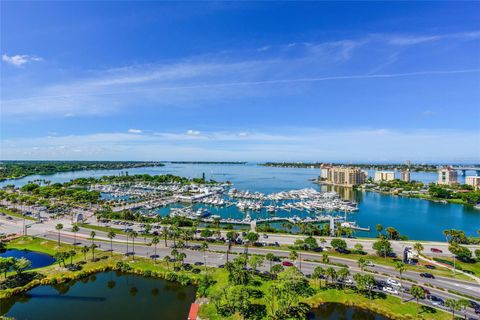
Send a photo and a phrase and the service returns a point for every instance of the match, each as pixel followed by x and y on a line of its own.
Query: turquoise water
pixel 418 219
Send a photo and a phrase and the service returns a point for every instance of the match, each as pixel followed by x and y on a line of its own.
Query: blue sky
pixel 310 81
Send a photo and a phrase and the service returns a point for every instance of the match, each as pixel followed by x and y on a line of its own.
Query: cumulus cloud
pixel 193 133
pixel 136 131
pixel 19 59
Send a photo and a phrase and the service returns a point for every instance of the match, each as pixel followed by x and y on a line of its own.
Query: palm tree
pixel 379 228
pixel 85 249
pixel 331 273
pixel 204 248
pixel 418 293
pixel 418 247
pixel 318 274
pixel 167 260
pixel 252 237
pixel 133 235
pixel 59 227
pixel 92 235
pixel 362 263
pixel 75 229
pixel 93 246
pixel 155 241
pixel 401 268
pixel 325 259
pixel 231 236
pixel 111 234
pixel 293 255
pixel 343 273
pixel 72 253
pixel 164 234
pixel 453 305
pixel 464 304
pixel 270 258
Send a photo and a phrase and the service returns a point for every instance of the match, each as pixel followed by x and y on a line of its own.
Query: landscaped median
pixel 249 292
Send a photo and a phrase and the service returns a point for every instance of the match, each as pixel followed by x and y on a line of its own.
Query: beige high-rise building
pixel 384 176
pixel 447 176
pixel 405 175
pixel 473 181
pixel 346 176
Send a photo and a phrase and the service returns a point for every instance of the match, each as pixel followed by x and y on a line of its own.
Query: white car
pixel 389 290
pixel 369 263
pixel 349 282
pixel 393 282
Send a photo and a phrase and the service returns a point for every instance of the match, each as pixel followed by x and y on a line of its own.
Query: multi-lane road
pixel 216 256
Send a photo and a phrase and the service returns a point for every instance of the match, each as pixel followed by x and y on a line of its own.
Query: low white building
pixel 384 176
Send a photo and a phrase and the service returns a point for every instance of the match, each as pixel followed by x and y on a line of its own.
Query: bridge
pixel 464 169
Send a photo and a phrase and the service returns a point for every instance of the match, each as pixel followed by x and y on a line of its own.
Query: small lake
pixel 338 311
pixel 38 259
pixel 107 295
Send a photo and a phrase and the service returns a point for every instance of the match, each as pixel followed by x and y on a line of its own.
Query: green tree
pixel 401 268
pixel 418 293
pixel 358 248
pixel 59 227
pixel 270 257
pixel 362 263
pixel 71 254
pixel 311 243
pixel 255 262
pixel 318 274
pixel 331 273
pixel 453 305
pixel 6 263
pixel 204 249
pixel 133 235
pixel 383 248
pixel 418 247
pixel 92 235
pixel 339 244
pixel 462 253
pixel 325 259
pixel 85 250
pixel 343 274
pixel 75 229
pixel 379 228
pixel 251 238
pixel 155 242
pixel 92 247
pixel 293 255
pixel 21 265
pixel 111 234
pixel 167 261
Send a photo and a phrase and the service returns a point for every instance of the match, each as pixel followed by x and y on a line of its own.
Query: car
pixel 427 275
pixel 435 250
pixel 349 282
pixel 389 290
pixel 287 264
pixel 265 236
pixel 198 263
pixel 393 282
pixel 429 266
pixel 369 263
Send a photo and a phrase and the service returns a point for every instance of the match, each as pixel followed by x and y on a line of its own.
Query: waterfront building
pixel 473 181
pixel 324 171
pixel 405 175
pixel 346 176
pixel 384 176
pixel 447 176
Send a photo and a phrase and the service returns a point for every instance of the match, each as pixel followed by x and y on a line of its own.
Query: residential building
pixel 346 176
pixel 384 176
pixel 324 171
pixel 447 176
pixel 473 181
pixel 405 175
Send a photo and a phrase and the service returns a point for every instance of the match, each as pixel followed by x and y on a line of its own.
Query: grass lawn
pixel 15 214
pixel 473 267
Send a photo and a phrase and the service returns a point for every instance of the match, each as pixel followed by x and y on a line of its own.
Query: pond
pixel 38 259
pixel 107 295
pixel 338 311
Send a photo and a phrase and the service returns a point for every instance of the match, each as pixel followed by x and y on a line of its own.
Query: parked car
pixel 389 290
pixel 427 275
pixel 435 250
pixel 429 266
pixel 369 263
pixel 287 264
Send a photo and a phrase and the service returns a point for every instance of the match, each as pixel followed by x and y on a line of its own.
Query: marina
pixel 408 215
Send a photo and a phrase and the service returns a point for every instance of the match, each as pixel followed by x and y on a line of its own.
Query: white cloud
pixel 19 59
pixel 136 131
pixel 264 48
pixel 294 144
pixel 193 133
